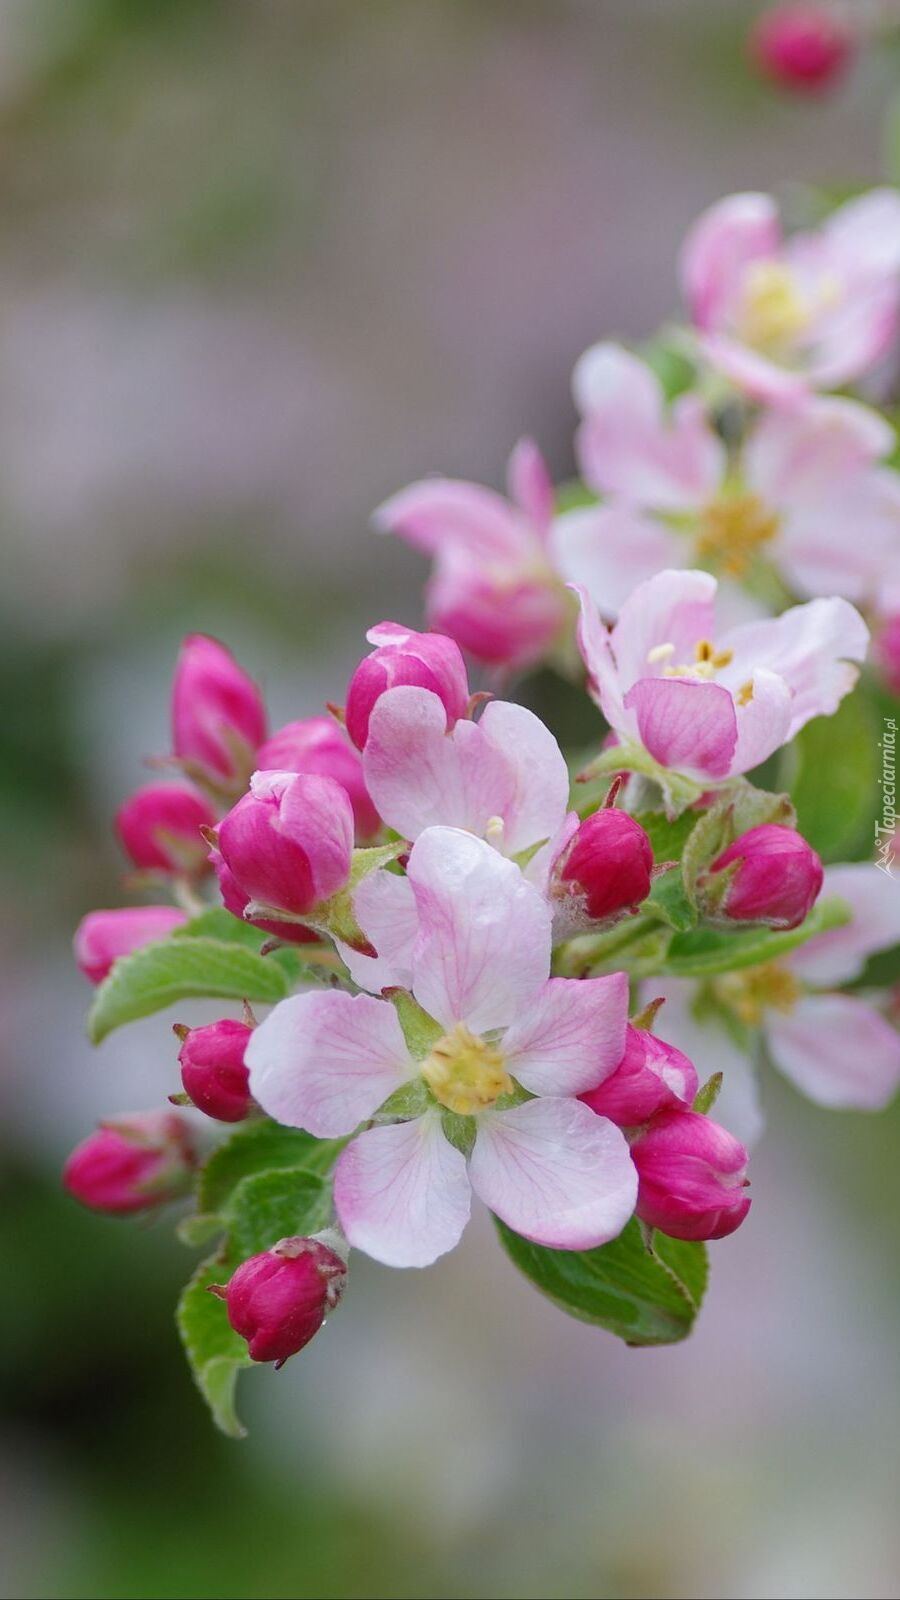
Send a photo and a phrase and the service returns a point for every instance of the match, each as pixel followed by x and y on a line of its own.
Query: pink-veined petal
pixel 838 1051
pixel 483 946
pixel 763 721
pixel 572 1038
pixel 608 550
pixel 438 515
pixel 555 1172
pixel 815 648
pixel 596 652
pixel 537 768
pixel 672 608
pixel 385 909
pixel 686 724
pixel 722 243
pixel 873 897
pixel 402 1194
pixel 326 1061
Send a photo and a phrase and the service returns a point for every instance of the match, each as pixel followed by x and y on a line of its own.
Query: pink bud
pixel 236 901
pixel 131 1163
pixel 805 47
pixel 652 1076
pixel 318 745
pixel 213 1072
pixel 777 881
pixel 504 620
pixel 692 1174
pixel 607 864
pixel 279 1300
pixel 887 652
pixel 103 936
pixel 427 660
pixel 160 828
pixel 289 842
pixel 218 715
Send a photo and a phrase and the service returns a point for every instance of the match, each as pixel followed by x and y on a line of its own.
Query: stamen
pixel 660 652
pixel 745 693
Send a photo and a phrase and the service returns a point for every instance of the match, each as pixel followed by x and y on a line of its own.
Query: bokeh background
pixel 261 263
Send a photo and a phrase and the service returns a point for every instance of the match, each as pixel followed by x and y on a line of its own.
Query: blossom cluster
pixel 462 947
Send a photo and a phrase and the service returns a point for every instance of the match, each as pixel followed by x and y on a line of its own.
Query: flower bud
pixel 887 653
pixel 777 881
pixel 160 829
pixel 652 1076
pixel 279 1300
pixel 103 936
pixel 506 621
pixel 289 842
pixel 318 745
pixel 212 1069
pixel 428 660
pixel 804 47
pixel 131 1163
pixel 236 901
pixel 218 715
pixel 692 1176
pixel 607 865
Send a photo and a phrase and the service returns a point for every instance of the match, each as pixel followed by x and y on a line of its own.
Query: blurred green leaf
pixel 644 1298
pixel 705 951
pixel 668 898
pixel 160 974
pixel 216 1354
pixel 832 772
pixel 256 1147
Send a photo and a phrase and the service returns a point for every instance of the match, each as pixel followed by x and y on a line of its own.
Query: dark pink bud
pixel 213 1071
pixel 318 745
pixel 693 1175
pixel 160 829
pixel 887 652
pixel 652 1076
pixel 103 936
pixel 236 901
pixel 289 842
pixel 279 1300
pixel 806 47
pixel 131 1163
pixel 607 864
pixel 777 882
pixel 427 660
pixel 218 715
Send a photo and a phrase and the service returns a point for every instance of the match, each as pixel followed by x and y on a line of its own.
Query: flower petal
pixel 686 725
pixel 763 721
pixel 439 515
pixel 840 955
pixel 802 455
pixel 815 648
pixel 672 608
pixel 712 1049
pixel 573 1037
pixel 555 1172
pixel 838 1051
pixel 385 909
pixel 719 247
pixel 530 484
pixel 608 550
pixel 536 766
pixel 483 945
pixel 325 1062
pixel 402 1194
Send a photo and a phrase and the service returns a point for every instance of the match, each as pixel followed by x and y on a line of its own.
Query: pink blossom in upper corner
pixel 484 1021
pixel 218 715
pixel 674 497
pixel 289 842
pixel 278 1301
pixel 603 870
pixel 103 936
pixel 131 1163
pixel 213 1071
pixel 159 826
pixel 317 744
pixel 804 47
pixel 775 879
pixel 692 1175
pixel 652 1076
pixel 706 705
pixel 427 660
pixel 780 317
pixel 493 587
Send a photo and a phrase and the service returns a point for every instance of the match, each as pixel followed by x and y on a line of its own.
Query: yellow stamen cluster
pixel 774 311
pixel 707 660
pixel 465 1073
pixel 748 994
pixel 731 530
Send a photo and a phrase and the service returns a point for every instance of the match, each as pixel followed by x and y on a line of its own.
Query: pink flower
pixel 803 47
pixel 652 1076
pixel 887 651
pixel 159 826
pixel 237 902
pixel 213 1072
pixel 289 842
pixel 493 588
pixel 705 706
pixel 218 715
pixel 776 882
pixel 483 1023
pixel 692 1176
pixel 605 868
pixel 131 1163
pixel 781 317
pixel 103 936
pixel 428 660
pixel 674 497
pixel 317 745
pixel 278 1301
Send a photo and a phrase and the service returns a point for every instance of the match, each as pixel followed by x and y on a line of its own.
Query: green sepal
pixel 420 1030
pixel 708 1094
pixel 705 952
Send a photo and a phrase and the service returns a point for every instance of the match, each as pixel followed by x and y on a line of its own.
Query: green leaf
pixel 668 899
pixel 667 838
pixel 216 1354
pixel 643 1298
pixel 832 771
pixel 267 1206
pixel 219 924
pixel 160 974
pixel 705 951
pixel 260 1146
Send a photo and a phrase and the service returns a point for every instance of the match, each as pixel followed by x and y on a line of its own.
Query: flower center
pixel 748 994
pixel 730 531
pixel 773 310
pixel 706 663
pixel 465 1073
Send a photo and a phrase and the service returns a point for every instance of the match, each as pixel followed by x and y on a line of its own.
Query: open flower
pixel 493 588
pixel 673 496
pixel 780 317
pixel 490 1053
pixel 705 707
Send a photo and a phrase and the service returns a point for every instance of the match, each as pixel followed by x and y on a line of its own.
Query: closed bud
pixel 131 1163
pixel 218 715
pixel 692 1176
pixel 289 842
pixel 103 936
pixel 318 745
pixel 652 1076
pixel 278 1301
pixel 769 875
pixel 427 660
pixel 236 901
pixel 159 827
pixel 213 1072
pixel 606 867
pixel 804 47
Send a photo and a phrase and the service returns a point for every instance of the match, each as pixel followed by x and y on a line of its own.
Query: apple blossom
pixel 159 826
pixel 213 1072
pixel 132 1162
pixel 692 1175
pixel 805 46
pixel 103 936
pixel 428 660
pixel 317 744
pixel 775 878
pixel 218 715
pixel 651 1076
pixel 278 1301
pixel 604 869
pixel 289 842
pixel 239 904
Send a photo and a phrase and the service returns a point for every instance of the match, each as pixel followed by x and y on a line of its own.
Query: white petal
pixel 385 909
pixel 402 1194
pixel 608 550
pixel 574 1036
pixel 874 900
pixel 838 1051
